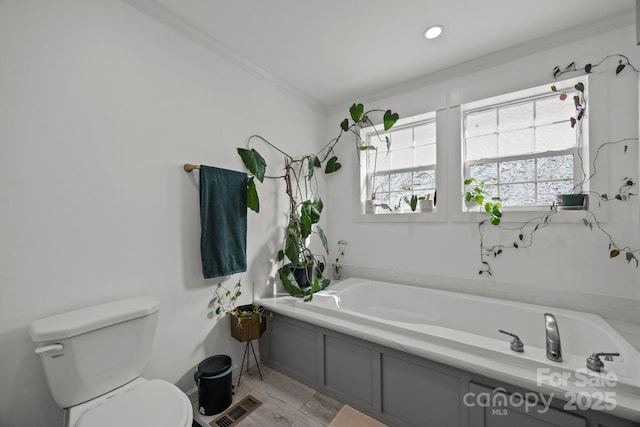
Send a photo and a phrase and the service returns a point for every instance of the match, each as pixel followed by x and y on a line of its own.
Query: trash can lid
pixel 213 366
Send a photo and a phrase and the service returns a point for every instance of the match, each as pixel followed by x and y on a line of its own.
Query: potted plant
pixel 477 195
pixel 337 268
pixel 301 271
pixel 248 322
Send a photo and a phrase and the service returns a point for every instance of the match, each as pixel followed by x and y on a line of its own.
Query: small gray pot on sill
pixel 573 201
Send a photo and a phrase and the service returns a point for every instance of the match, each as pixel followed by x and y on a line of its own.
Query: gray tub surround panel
pixel 401 389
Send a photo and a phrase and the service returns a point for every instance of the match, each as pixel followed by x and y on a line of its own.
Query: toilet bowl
pixel 93 358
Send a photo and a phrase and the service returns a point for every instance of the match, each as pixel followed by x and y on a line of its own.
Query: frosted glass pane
pixel 381 198
pixel 424 180
pixel 515 117
pixel 555 137
pixel 486 172
pixel 518 171
pixel 381 183
pixel 401 159
pixel 516 142
pixel 557 167
pixel 518 194
pixel 400 182
pixel 384 161
pixel 547 191
pixel 481 123
pixel 553 110
pixel 401 139
pixel 425 155
pixel 482 147
pixel 397 198
pixel 425 134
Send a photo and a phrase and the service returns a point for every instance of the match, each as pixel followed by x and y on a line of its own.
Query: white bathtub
pixel 462 331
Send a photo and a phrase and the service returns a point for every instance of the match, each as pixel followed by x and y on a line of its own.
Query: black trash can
pixel 213 378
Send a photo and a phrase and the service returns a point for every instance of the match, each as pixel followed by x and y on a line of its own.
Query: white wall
pixel 99 108
pixel 566 260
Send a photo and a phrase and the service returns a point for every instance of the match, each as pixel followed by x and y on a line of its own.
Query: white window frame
pixel 595 128
pixel 439 212
pixel 520 98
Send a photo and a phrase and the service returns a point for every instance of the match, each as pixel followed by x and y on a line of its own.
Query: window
pixel 404 166
pixel 524 145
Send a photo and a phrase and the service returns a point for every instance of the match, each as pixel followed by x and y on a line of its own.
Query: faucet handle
pixel 595 364
pixel 516 344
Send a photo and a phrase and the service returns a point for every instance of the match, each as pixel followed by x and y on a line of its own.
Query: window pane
pixel 515 142
pixel 481 123
pixel 383 197
pixel 401 159
pixel 557 167
pixel 425 134
pixel 555 137
pixel 424 179
pixel 401 139
pixel 518 171
pixel 547 191
pixel 487 172
pixel 551 110
pixel 383 161
pixel 482 147
pixel 515 117
pixel 518 194
pixel 425 155
pixel 381 183
pixel 400 182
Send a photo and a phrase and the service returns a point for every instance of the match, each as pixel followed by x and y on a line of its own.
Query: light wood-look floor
pixel 285 402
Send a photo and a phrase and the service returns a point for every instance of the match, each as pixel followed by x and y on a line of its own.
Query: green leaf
pixel 390 119
pixel 479 199
pixel 280 256
pixel 253 202
pixel 385 206
pixel 618 196
pixel 604 197
pixel 344 125
pixel 414 202
pixel 289 282
pixel 305 226
pixel 332 165
pixel 469 181
pixel 316 162
pixel 495 220
pixel 367 147
pixel 291 249
pixel 357 111
pixel 254 162
pixel 312 209
pixel 614 253
pixel 323 239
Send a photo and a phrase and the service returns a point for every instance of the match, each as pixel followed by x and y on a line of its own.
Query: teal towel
pixel 223 221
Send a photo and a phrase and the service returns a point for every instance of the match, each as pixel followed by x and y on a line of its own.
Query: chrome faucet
pixel 554 350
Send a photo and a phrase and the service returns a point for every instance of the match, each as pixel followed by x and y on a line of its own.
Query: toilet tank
pixel 93 350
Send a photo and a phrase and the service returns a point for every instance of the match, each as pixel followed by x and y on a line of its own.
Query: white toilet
pixel 93 358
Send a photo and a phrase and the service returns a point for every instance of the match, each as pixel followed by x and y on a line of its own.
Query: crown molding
pixel 169 19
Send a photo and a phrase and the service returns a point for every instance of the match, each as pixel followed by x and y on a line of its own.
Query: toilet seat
pixel 154 403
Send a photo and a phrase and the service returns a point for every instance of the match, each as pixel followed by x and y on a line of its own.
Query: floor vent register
pixel 236 413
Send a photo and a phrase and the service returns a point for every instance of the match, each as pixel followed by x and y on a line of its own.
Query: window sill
pixel 404 217
pixel 534 215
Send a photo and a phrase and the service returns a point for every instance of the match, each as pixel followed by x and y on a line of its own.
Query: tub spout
pixel 554 350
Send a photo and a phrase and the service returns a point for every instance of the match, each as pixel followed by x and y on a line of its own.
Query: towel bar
pixel 188 167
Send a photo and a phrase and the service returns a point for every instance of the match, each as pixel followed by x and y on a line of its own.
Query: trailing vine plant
pixel 524 233
pixel 305 204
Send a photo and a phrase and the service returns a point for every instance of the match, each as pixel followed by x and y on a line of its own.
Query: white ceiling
pixel 334 51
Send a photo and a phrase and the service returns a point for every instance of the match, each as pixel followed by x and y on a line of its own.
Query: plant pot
pixel 303 275
pixel 369 207
pixel 573 201
pixel 247 328
pixel 337 272
pixel 425 205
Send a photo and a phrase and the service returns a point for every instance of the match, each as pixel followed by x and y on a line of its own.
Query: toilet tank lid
pixel 76 322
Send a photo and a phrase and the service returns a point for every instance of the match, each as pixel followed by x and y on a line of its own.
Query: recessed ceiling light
pixel 433 31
